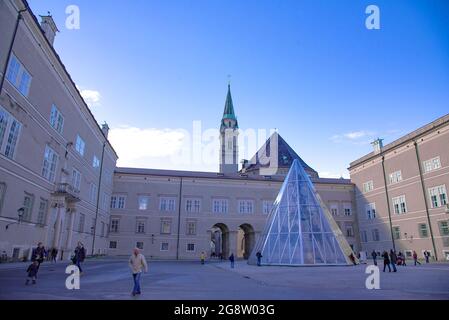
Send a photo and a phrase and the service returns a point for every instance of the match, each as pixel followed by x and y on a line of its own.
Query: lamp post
pixel 20 213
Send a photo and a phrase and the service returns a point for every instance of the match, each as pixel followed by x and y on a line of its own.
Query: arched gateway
pixel 245 240
pixel 220 240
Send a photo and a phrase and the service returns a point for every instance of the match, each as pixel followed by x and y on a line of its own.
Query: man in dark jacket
pixel 231 258
pixel 386 261
pixel 38 254
pixel 259 258
pixel 393 259
pixel 374 255
pixel 80 255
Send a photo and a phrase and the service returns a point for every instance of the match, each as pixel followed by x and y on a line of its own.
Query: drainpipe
pixel 98 199
pixel 388 201
pixel 415 143
pixel 8 57
pixel 179 218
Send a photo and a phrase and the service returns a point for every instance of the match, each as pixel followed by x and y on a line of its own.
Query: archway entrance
pixel 245 241
pixel 220 241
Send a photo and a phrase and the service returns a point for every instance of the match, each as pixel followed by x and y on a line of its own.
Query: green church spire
pixel 229 107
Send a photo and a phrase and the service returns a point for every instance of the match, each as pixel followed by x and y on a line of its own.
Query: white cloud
pixel 354 137
pixel 328 174
pixel 91 97
pixel 147 147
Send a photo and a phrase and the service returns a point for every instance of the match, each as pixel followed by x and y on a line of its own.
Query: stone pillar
pixel 58 230
pixel 232 241
pixel 72 214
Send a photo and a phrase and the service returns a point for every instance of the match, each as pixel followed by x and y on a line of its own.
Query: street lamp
pixel 20 213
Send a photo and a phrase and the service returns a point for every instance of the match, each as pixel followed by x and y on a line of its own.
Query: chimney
pixel 49 27
pixel 105 129
pixel 377 145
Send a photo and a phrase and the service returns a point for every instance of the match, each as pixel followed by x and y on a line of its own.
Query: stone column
pixel 58 230
pixel 72 214
pixel 233 243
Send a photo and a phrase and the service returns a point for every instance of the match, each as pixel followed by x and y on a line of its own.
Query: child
pixel 203 257
pixel 32 271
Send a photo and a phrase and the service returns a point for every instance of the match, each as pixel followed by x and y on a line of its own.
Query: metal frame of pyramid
pixel 300 229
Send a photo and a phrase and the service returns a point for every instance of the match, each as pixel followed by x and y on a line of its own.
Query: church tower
pixel 229 132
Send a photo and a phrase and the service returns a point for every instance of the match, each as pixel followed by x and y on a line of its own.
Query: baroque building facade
pixel 59 183
pixel 56 164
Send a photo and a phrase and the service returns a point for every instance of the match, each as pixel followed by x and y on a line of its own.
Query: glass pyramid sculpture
pixel 300 230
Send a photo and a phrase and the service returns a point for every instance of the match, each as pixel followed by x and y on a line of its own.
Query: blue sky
pixel 308 68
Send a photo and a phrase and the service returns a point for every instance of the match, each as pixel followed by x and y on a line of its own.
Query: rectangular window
pixel 246 206
pixel 2 195
pixel 164 246
pixel 93 227
pixel 348 211
pixel 370 211
pixel 140 226
pixel 80 145
pixel 267 205
pixel 9 133
pixel 334 209
pixel 117 202
pixel 56 119
pixel 115 223
pixel 396 233
pixel 93 193
pixel 432 164
pixel 220 205
pixel 193 205
pixel 167 204
pixel 50 164
pixel 18 76
pixel 112 244
pixel 368 186
pixel 399 205
pixel 191 228
pixel 395 177
pixel 144 201
pixel 165 226
pixel 376 236
pixel 349 230
pixel 42 213
pixel 28 202
pixel 422 228
pixel 139 245
pixel 95 162
pixel 81 223
pixel 76 179
pixel 444 228
pixel 190 247
pixel 438 196
pixel 102 228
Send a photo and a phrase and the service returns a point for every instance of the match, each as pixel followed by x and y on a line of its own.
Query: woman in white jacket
pixel 137 263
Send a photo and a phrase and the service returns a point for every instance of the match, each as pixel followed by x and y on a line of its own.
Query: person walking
pixel 202 257
pixel 79 256
pixel 402 257
pixel 259 258
pixel 231 258
pixel 38 254
pixel 32 272
pixel 386 261
pixel 374 255
pixel 393 259
pixel 137 264
pixel 415 258
pixel 427 256
pixel 54 254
